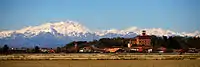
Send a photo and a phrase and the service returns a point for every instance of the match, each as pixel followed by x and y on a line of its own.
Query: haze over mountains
pixel 61 33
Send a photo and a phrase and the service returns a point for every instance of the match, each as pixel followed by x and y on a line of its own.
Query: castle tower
pixel 143 33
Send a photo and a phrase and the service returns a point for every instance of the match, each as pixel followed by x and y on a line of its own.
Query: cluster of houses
pixel 29 50
pixel 141 43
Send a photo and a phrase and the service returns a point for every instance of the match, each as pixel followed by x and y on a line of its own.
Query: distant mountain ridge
pixel 60 33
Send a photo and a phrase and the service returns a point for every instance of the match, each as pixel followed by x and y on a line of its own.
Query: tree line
pixel 171 42
pixel 7 50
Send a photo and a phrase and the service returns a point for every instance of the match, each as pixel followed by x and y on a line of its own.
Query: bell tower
pixel 143 33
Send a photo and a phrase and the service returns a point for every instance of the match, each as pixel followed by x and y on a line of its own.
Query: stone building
pixel 141 43
pixel 141 40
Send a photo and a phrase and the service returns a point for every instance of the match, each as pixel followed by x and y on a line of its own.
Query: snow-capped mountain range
pixel 60 33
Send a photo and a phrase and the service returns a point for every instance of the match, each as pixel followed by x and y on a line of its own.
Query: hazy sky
pixel 176 15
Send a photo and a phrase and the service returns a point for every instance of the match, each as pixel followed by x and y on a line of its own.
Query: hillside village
pixel 140 44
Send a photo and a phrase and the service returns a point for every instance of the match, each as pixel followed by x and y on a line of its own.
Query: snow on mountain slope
pixel 49 33
pixel 115 33
pixel 68 27
pixel 60 33
pixel 161 32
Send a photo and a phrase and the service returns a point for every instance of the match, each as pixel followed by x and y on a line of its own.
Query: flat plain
pixel 100 63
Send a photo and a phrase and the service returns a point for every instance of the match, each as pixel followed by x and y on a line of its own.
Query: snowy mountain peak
pixel 64 28
pixel 68 27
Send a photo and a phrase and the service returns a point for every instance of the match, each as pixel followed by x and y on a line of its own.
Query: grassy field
pixel 101 63
pixel 99 56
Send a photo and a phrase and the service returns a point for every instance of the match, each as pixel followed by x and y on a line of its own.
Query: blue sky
pixel 176 15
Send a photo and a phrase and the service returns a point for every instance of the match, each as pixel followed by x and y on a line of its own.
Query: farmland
pixel 100 60
pixel 101 56
pixel 101 63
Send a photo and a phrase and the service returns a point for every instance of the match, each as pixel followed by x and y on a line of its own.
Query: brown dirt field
pixel 101 63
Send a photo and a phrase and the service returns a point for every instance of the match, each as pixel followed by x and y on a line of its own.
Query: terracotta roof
pixel 144 37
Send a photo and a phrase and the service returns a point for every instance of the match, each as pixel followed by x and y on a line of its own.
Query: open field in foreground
pixel 100 56
pixel 101 63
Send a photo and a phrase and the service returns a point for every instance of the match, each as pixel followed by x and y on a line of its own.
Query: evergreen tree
pixel 58 49
pixel 37 49
pixel 5 48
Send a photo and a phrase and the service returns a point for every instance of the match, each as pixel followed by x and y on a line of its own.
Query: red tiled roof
pixel 144 37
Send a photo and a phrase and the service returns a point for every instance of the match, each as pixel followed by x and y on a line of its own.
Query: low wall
pixel 99 56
